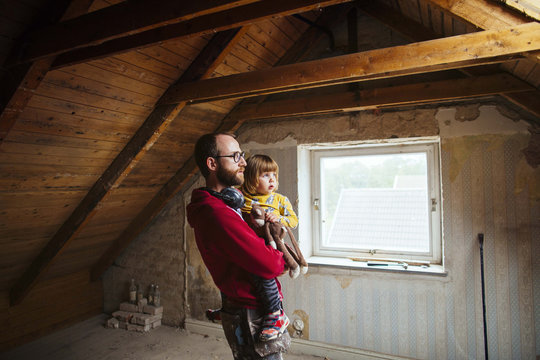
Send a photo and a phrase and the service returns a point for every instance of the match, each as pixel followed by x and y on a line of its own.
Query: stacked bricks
pixel 136 317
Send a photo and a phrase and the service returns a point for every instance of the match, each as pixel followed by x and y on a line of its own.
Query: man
pixel 230 249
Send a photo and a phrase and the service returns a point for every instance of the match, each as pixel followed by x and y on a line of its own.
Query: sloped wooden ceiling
pixel 98 136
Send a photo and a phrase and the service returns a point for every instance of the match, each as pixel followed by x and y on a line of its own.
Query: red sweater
pixel 230 248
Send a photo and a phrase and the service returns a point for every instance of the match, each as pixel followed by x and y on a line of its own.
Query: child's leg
pixel 268 294
pixel 275 321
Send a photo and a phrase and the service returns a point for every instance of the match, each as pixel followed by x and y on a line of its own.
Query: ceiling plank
pixel 20 82
pixel 346 101
pixel 125 18
pixel 156 123
pixel 428 56
pixel 417 32
pixel 138 224
pixel 208 24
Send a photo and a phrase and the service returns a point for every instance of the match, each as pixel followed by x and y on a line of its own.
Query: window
pixel 376 200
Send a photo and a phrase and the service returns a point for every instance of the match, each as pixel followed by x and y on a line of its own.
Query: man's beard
pixel 229 178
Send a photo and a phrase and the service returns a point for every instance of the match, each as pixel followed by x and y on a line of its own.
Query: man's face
pixel 228 172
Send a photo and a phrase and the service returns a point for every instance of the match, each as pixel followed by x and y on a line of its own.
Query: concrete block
pixel 122 325
pixel 126 306
pixel 123 315
pixel 153 310
pixel 112 323
pixel 141 304
pixel 139 328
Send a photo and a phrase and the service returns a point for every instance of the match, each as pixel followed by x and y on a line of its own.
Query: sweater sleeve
pixel 238 241
pixel 287 214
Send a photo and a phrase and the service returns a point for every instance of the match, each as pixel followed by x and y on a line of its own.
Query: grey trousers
pixel 241 327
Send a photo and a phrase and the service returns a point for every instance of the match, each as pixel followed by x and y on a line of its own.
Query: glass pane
pixel 375 202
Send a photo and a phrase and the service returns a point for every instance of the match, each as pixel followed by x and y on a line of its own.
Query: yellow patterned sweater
pixel 276 203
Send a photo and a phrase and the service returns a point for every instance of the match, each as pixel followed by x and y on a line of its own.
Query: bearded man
pixel 230 249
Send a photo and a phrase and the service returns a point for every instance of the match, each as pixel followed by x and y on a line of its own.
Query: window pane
pixel 375 202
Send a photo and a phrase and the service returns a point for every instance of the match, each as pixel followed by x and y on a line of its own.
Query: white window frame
pixel 309 192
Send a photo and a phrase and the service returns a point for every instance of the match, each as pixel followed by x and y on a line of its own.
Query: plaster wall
pixel 487 186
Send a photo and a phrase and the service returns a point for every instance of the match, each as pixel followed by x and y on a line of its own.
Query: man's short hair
pixel 206 147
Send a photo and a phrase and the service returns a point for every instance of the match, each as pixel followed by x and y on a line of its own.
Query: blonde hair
pixel 256 165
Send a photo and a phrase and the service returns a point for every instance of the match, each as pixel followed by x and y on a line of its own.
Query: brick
pixel 123 315
pixel 125 306
pixel 145 319
pixel 141 304
pixel 153 310
pixel 156 324
pixel 112 323
pixel 139 328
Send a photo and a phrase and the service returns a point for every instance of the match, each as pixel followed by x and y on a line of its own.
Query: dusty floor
pixel 89 340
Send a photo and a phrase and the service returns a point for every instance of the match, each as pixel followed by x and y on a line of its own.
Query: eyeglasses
pixel 236 156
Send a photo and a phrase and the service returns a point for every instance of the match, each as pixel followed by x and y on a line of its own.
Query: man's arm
pixel 240 243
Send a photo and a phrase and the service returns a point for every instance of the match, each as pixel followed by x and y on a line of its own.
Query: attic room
pixel 102 102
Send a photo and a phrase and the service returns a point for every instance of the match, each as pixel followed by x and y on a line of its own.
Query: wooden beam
pixel 121 166
pixel 346 101
pixel 125 18
pixel 441 54
pixel 416 32
pixel 485 15
pixel 208 24
pixel 230 123
pixel 20 82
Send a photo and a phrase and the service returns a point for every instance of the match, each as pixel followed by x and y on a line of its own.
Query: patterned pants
pixel 241 327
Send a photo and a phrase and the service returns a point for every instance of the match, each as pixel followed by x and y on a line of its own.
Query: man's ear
pixel 211 163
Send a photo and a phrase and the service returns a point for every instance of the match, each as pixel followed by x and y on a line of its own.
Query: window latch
pixel 316 204
pixel 433 204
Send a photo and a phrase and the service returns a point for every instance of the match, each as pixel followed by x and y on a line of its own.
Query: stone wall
pixel 156 256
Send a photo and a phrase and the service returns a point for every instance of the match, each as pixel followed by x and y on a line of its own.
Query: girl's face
pixel 267 182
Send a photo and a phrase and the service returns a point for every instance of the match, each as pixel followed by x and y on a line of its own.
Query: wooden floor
pixel 90 340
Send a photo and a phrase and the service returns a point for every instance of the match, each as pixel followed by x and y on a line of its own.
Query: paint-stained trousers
pixel 241 327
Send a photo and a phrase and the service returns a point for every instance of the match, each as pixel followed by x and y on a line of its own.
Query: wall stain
pixel 467 112
pixel 345 282
pixel 302 315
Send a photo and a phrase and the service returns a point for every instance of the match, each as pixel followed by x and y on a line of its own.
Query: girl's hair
pixel 256 165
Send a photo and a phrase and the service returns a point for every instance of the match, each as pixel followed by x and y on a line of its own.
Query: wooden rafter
pixel 414 31
pixel 21 81
pixel 152 209
pixel 345 101
pixel 486 15
pixel 140 143
pixel 207 24
pixel 441 54
pixel 117 21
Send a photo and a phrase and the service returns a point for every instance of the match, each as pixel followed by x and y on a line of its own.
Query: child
pixel 260 184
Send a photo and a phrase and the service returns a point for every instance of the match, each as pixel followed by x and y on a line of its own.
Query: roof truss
pixel 484 47
pixel 206 24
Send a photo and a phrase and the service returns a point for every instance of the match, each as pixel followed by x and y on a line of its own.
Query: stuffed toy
pixel 274 235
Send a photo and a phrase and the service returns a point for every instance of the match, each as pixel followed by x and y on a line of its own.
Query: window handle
pixel 316 204
pixel 433 204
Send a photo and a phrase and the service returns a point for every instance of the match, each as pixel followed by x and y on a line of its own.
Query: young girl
pixel 260 184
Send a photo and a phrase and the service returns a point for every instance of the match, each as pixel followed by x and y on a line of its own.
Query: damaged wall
pixel 488 187
pixel 156 256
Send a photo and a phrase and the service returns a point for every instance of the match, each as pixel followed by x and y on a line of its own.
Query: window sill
pixel 316 262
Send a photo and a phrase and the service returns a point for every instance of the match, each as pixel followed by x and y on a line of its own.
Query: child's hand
pixel 271 217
